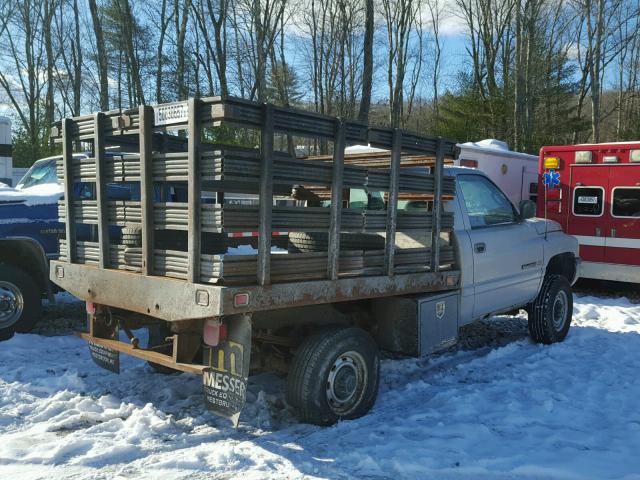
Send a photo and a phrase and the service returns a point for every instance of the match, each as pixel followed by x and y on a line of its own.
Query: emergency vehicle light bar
pixel 552 162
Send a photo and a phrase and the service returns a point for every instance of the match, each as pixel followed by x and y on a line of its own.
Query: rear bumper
pixel 160 297
pixel 173 300
pixel 610 271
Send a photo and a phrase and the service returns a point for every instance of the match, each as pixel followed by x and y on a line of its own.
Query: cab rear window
pixel 626 202
pixel 588 201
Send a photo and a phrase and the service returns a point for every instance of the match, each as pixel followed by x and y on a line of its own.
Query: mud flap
pixel 105 357
pixel 225 381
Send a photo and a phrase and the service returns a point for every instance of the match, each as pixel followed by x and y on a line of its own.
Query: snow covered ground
pixel 511 409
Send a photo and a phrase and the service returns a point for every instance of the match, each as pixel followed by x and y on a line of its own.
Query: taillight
pixel 213 332
pixel 241 300
pixel 91 308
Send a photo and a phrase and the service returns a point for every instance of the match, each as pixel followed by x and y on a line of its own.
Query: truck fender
pixel 28 254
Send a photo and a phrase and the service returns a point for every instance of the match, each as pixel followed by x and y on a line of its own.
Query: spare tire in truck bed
pixel 211 243
pixel 302 242
pixel 132 235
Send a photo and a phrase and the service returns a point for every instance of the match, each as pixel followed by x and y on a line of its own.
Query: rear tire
pixel 334 376
pixel 20 302
pixel 550 313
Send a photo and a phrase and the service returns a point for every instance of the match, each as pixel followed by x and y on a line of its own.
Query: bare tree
pixel 101 60
pixel 68 71
pixel 163 25
pixel 210 13
pixel 436 11
pixel 367 71
pixel 24 58
pixel 599 17
pixel 181 21
pixel 401 19
pixel 47 38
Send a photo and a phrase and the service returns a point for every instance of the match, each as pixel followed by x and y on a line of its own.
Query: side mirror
pixel 527 209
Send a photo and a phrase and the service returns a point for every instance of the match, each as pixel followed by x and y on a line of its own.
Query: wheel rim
pixel 560 305
pixel 11 304
pixel 346 382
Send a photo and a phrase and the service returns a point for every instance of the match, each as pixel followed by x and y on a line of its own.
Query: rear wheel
pixel 550 313
pixel 334 376
pixel 20 306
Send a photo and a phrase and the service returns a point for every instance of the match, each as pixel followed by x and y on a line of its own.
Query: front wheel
pixel 550 313
pixel 334 376
pixel 20 306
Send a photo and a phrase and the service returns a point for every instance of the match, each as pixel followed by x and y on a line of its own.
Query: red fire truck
pixel 593 191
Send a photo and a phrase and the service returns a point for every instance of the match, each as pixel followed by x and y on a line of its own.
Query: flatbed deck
pixel 174 300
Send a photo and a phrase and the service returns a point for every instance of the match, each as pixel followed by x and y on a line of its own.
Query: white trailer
pixel 6 165
pixel 515 173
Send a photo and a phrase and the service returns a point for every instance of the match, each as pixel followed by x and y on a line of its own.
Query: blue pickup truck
pixel 29 234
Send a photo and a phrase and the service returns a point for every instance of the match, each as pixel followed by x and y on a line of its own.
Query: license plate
pixel 591 200
pixel 170 114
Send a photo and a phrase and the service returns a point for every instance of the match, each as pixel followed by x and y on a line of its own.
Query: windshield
pixel 41 172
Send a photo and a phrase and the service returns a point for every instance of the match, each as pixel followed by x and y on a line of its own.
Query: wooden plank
pixel 335 217
pixel 380 159
pixel 148 355
pixel 101 190
pixel 437 207
pixel 146 187
pixel 266 196
pixel 67 165
pixel 193 186
pixel 392 206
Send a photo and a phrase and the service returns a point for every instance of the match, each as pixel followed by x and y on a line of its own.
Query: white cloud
pixel 452 26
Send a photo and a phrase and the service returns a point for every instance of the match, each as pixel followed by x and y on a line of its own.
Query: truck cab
pixel 504 252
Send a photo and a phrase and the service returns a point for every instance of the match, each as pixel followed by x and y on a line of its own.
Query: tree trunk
pixel 103 78
pixel 367 72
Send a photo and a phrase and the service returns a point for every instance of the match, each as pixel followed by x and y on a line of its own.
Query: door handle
pixel 479 247
pixel 613 233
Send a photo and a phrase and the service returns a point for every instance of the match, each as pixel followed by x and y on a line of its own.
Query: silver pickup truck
pixel 387 251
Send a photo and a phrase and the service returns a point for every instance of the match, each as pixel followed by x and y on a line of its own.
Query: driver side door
pixel 507 254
